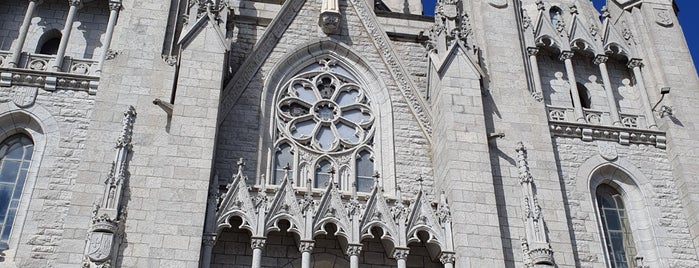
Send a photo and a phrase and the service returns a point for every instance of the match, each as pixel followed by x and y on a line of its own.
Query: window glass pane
pixel 355 115
pixel 13 172
pixel 323 176
pixel 303 129
pixel 347 132
pixel 281 159
pixel 9 171
pixel 325 137
pixel 365 169
pixel 347 97
pixel 5 196
pixel 618 237
pixel 16 151
pixel 8 225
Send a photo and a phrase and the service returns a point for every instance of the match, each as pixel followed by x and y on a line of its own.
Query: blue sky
pixel 688 16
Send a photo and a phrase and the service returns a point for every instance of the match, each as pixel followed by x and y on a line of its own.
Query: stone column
pixel 601 60
pixel 636 65
pixel 208 242
pixel 17 50
pixel 566 57
pixel 257 243
pixel 113 14
pixel 401 255
pixel 306 248
pixel 74 5
pixel 353 251
pixel 538 91
pixel 448 259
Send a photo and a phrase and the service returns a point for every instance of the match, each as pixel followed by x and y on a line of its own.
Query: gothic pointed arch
pixel 326 100
pixel 30 124
pixel 635 191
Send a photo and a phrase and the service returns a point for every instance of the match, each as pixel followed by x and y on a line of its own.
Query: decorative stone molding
pixel 401 253
pixel 535 246
pixel 34 71
pixel 329 19
pixel 447 257
pixel 621 135
pixel 108 217
pixel 308 214
pixel 396 69
pixel 354 250
pixel 258 242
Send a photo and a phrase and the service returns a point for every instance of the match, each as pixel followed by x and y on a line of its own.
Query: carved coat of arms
pixel 607 150
pixel 663 17
pixel 100 246
pixel 24 96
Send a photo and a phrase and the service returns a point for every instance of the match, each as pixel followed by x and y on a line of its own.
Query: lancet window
pixel 15 158
pixel 618 238
pixel 325 123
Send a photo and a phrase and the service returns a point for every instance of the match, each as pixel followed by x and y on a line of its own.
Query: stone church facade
pixel 347 133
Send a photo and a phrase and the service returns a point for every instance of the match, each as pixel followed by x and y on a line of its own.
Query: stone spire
pixel 535 246
pixel 106 228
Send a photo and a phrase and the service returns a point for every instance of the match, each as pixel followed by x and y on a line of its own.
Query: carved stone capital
pixel 257 242
pixel 401 253
pixel 329 22
pixel 354 250
pixel 532 51
pixel 208 240
pixel 447 257
pixel 566 55
pixel 306 246
pixel 599 59
pixel 635 63
pixel 75 2
pixel 114 5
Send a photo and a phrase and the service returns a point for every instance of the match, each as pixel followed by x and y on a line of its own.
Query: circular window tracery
pixel 325 110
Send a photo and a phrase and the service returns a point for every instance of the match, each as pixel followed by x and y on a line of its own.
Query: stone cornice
pixel 621 135
pixel 49 80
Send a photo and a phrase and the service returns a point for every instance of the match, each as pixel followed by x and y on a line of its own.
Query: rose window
pixel 325 110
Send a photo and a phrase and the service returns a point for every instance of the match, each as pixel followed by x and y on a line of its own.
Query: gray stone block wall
pixel 661 200
pixel 63 118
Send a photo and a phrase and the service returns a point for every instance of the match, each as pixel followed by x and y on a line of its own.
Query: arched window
pixel 324 113
pixel 15 157
pixel 617 231
pixel 324 174
pixel 282 158
pixel 364 171
pixel 49 42
pixel 584 95
pixel 555 14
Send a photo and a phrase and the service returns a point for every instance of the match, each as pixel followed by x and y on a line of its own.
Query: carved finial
pixel 376 177
pixel 573 9
pixel 524 175
pixel 605 12
pixel 124 139
pixel 540 5
pixel 420 180
pixel 241 165
pixel 287 170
